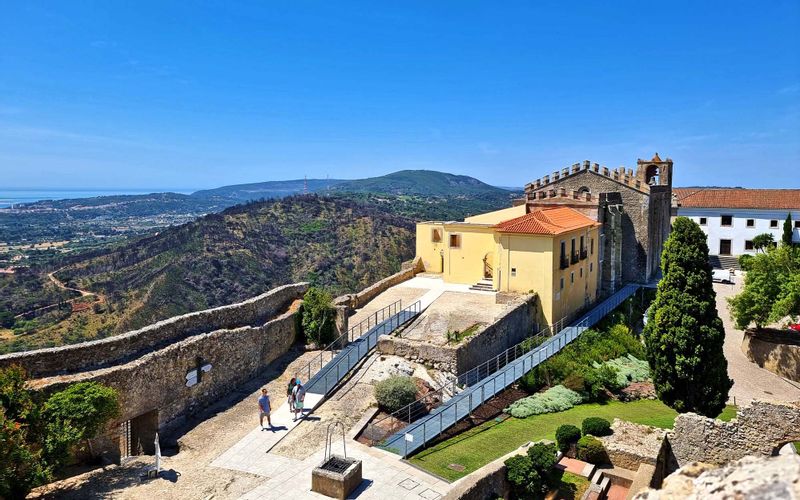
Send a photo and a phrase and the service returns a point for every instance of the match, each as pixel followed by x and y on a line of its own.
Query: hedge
pixel 566 436
pixel 596 426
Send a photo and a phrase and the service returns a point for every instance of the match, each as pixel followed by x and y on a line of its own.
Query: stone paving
pixel 750 381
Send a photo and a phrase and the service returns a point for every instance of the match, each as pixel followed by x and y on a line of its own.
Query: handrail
pixel 548 347
pixel 350 335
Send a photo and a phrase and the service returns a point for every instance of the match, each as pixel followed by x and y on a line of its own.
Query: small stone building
pixel 633 209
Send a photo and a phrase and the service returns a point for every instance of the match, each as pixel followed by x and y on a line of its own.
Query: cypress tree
pixel 684 335
pixel 787 230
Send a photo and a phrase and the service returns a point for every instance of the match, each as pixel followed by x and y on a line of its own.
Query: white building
pixel 732 217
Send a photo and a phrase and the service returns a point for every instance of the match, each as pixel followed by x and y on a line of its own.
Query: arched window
pixel 584 189
pixel 652 175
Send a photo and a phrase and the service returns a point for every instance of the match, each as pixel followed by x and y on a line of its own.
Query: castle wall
pixel 157 381
pixel 120 348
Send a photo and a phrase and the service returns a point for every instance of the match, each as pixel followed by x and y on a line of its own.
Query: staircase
pixel 724 262
pixel 484 285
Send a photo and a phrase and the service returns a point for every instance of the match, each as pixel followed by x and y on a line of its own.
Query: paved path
pixel 750 381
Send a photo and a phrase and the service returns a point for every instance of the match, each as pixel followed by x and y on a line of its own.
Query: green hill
pixel 422 183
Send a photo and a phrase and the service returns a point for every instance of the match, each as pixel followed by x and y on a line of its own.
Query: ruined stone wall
pixel 509 329
pixel 157 381
pixel 121 348
pixel 758 429
pixel 774 353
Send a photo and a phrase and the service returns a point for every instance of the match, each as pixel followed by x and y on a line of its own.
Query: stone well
pixel 336 477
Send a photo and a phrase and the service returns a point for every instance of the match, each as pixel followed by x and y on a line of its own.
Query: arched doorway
pixel 488 263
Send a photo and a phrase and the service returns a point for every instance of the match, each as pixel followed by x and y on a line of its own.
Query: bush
pixel 591 449
pixel 533 474
pixel 745 261
pixel 395 393
pixel 629 369
pixel 557 398
pixel 596 426
pixel 318 316
pixel 566 436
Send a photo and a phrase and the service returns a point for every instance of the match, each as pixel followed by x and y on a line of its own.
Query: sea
pixel 9 197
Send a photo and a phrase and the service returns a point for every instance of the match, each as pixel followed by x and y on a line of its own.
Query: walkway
pixel 418 434
pixel 750 381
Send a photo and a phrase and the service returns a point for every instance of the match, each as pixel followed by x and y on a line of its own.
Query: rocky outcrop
pixel 763 478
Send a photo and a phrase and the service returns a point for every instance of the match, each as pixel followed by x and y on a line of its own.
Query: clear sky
pixel 201 94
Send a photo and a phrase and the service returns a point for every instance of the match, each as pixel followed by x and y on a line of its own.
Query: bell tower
pixel 655 172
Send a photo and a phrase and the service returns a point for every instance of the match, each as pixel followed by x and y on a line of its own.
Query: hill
pixel 222 258
pixel 241 193
pixel 422 183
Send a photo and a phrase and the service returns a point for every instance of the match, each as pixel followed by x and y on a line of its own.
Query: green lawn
pixel 490 440
pixel 572 486
pixel 797 446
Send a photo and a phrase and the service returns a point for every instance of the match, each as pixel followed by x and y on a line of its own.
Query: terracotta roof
pixel 547 221
pixel 767 199
pixel 656 158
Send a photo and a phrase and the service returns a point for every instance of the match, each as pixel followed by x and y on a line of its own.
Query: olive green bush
pixel 596 426
pixel 395 393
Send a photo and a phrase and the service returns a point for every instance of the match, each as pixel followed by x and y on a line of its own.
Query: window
pixel 513 271
pixel 455 240
pixel 580 272
pixel 591 266
pixel 564 262
pixel 562 283
pixel 751 223
pixel 703 221
pixel 572 277
pixel 591 246
pixel 436 235
pixel 748 245
pixel 726 220
pixel 797 224
pixel 773 223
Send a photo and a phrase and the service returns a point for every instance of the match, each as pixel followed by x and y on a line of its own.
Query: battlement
pixel 647 173
pixel 560 193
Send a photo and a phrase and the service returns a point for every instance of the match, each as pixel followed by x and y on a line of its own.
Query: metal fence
pixel 406 439
pixel 327 354
pixel 342 362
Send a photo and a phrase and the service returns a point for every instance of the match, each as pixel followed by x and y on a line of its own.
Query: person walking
pixel 299 393
pixel 264 408
pixel 290 393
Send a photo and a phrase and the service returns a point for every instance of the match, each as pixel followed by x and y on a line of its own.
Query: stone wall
pixel 773 351
pixel 758 429
pixel 157 380
pixel 127 346
pixel 358 300
pixel 631 445
pixel 509 329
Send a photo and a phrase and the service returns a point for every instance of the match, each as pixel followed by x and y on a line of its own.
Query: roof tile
pixel 547 221
pixel 766 199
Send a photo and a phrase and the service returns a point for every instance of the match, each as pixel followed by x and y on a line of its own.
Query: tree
pixel 786 239
pixel 684 335
pixel 318 316
pixel 763 241
pixel 771 289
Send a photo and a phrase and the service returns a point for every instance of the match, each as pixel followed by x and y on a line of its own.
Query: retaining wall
pixel 358 300
pixel 127 346
pixel 778 352
pixel 511 328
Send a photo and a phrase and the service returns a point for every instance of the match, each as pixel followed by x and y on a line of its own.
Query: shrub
pixel 629 369
pixel 596 426
pixel 543 457
pixel 591 449
pixel 318 316
pixel 523 477
pixel 566 436
pixel 395 392
pixel 744 261
pixel 557 398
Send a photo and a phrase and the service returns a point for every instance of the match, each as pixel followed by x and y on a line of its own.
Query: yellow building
pixel 551 251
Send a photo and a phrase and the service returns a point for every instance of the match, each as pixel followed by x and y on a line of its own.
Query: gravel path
pixel 749 380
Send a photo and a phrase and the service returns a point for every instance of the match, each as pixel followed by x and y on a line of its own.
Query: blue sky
pixel 202 94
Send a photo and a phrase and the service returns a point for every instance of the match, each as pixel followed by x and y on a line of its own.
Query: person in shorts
pixel 299 393
pixel 290 393
pixel 264 408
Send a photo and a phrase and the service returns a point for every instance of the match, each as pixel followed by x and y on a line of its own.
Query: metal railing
pixel 462 404
pixel 355 351
pixel 327 353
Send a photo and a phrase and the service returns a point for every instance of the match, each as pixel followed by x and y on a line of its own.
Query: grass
pixel 797 446
pixel 455 336
pixel 493 439
pixel 572 486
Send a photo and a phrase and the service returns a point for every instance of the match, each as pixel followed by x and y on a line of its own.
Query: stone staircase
pixel 484 285
pixel 724 262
